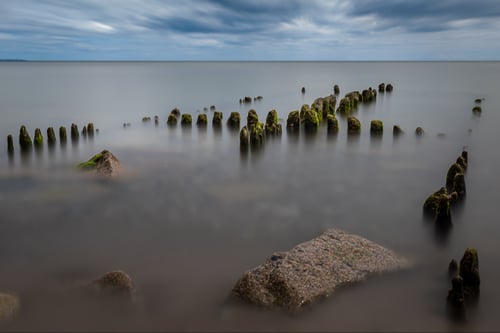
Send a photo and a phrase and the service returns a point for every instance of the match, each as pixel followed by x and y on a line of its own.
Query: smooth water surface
pixel 192 213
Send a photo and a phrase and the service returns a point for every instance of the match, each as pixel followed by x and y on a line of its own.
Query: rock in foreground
pixel 103 164
pixel 314 269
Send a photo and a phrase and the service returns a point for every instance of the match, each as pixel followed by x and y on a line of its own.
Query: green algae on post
pixel 234 120
pixel 217 119
pixel 202 120
pixel 376 127
pixel 25 140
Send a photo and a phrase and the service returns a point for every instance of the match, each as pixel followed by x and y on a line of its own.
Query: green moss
pixel 252 119
pixel 25 140
pixel 38 139
pixel 344 106
pixel 257 135
pixel 272 117
pixel 332 123
pixel 92 163
pixel 310 119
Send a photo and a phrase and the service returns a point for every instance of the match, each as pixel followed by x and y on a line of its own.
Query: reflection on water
pixel 193 211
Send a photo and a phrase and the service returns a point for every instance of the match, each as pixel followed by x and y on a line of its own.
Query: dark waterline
pixel 192 213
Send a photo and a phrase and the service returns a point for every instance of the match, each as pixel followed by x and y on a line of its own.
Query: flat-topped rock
pixel 314 269
pixel 103 164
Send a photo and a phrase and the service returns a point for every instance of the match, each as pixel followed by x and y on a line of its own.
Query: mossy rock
pixel 397 131
pixel 217 119
pixel 465 155
pixel 234 120
pixel 272 118
pixel 455 301
pixel 305 108
pixel 202 120
pixel 431 204
pixel 376 127
pixel 469 271
pixel 293 120
pixel 186 119
pixel 368 95
pixel 252 119
pixel 459 185
pixel 51 136
pixel 104 164
pixel 477 109
pixel 443 216
pixel 462 162
pixel 25 139
pixel 452 171
pixel 353 125
pixel 91 163
pixel 273 130
pixel 172 120
pixel 344 106
pixel 332 123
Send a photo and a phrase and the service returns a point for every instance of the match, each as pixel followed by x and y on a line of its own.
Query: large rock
pixel 103 164
pixel 314 269
pixel 9 306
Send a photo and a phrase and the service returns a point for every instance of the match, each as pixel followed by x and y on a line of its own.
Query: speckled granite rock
pixel 314 269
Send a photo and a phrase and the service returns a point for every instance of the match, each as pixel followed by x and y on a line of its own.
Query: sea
pixel 191 212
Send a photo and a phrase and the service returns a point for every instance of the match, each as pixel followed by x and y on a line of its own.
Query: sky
pixel 250 30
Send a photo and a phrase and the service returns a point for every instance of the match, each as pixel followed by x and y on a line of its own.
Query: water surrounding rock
pixel 293 120
pixel 314 270
pixel 376 127
pixel 103 164
pixel 202 120
pixel 234 120
pixel 353 125
pixel 25 140
pixel 9 306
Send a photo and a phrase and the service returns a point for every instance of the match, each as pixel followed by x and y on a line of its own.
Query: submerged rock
pixel 103 164
pixel 25 140
pixel 344 106
pixel 477 109
pixel 303 90
pixel 172 120
pixel 309 118
pixel 314 270
pixel 9 306
pixel 90 129
pixel 293 120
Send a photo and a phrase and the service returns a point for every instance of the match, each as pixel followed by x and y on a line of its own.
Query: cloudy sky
pixel 250 30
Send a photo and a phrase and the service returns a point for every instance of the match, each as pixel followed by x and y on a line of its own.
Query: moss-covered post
pixel 455 301
pixel 332 124
pixel 202 120
pixel 74 133
pixel 257 135
pixel 217 119
pixel 234 120
pixel 353 126
pixel 293 121
pixel 38 140
pixel 10 145
pixel 272 127
pixel 25 140
pixel 469 271
pixel 376 128
pixel 172 120
pixel 51 137
pixel 186 119
pixel 63 137
pixel 252 119
pixel 90 130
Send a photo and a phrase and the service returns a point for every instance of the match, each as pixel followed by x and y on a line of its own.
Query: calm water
pixel 192 213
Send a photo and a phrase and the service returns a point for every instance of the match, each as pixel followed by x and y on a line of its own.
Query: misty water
pixel 191 213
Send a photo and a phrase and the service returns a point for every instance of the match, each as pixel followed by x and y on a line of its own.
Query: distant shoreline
pixel 13 60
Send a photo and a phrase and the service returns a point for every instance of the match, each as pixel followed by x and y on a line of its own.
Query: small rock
pixel 450 176
pixel 257 135
pixel 115 283
pixel 212 107
pixel 90 130
pixel 431 204
pixel 10 145
pixel 477 109
pixel 172 120
pixel 332 124
pixel 38 139
pixel 74 133
pixel 309 118
pixel 244 137
pixel 176 112
pixel 252 119
pixel 389 88
pixel 146 119
pixel 303 90
pixel 381 87
pixel 336 89
pixel 397 131
pixel 63 138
